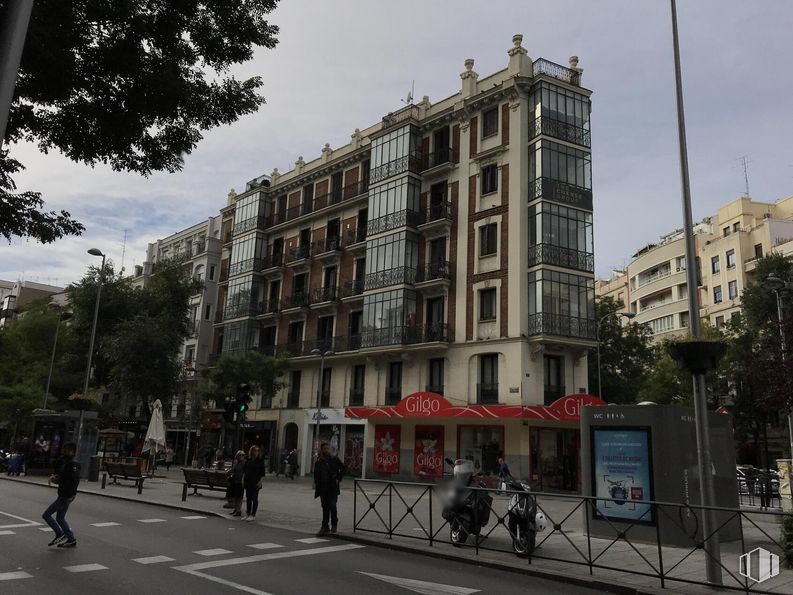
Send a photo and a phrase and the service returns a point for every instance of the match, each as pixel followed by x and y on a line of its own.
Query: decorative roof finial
pixel 469 64
pixel 573 61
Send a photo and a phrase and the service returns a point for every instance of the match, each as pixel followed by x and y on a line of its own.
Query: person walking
pixel 291 464
pixel 67 478
pixel 252 480
pixel 328 471
pixel 504 474
pixel 236 476
pixel 169 454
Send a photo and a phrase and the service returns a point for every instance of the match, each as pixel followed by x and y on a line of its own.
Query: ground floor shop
pixel 345 436
pixel 409 441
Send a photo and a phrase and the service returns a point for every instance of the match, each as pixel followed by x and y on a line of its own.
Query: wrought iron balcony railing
pixel 487 393
pixel 563 257
pixel 396 167
pixel 298 253
pixel 327 245
pixel 356 397
pixel 553 392
pixel 557 71
pixel 245 266
pixel 562 326
pixel 270 306
pixel 324 294
pixel 438 157
pixel 393 395
pixel 392 221
pixel 438 212
pixel 273 260
pixel 395 276
pixel 296 300
pixel 351 288
pixel 561 130
pixel 434 270
pixel 248 224
pixel 353 236
pixel 405 335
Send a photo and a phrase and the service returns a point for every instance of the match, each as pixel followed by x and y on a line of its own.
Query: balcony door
pixel 440 145
pixel 435 311
pixel 332 234
pixel 554 374
pixel 437 251
pixel 488 378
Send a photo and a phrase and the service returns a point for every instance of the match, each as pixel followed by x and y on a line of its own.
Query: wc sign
pixel 759 565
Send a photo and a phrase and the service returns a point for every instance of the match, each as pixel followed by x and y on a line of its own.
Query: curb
pixel 600 585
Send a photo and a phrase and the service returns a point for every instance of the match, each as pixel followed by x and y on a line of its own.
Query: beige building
pixel 616 287
pixel 447 251
pixel 18 294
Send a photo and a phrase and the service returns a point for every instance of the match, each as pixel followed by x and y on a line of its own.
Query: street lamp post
pixel 318 415
pixel 627 315
pixel 777 285
pixel 61 317
pixel 92 252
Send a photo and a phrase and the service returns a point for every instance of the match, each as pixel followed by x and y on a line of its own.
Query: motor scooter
pixel 467 510
pixel 524 518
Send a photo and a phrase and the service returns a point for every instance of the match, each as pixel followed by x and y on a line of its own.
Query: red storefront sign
pixel 386 448
pixel 428 451
pixel 426 404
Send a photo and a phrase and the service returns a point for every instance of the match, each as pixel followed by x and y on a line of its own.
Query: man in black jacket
pixel 328 471
pixel 67 478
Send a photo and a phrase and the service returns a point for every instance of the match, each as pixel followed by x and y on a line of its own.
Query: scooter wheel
pixel 524 545
pixel 457 534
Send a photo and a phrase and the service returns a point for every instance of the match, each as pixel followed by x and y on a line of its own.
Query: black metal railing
pixel 438 157
pixel 760 489
pixel 487 393
pixel 552 392
pixel 388 277
pixel 273 260
pixel 356 397
pixel 392 395
pixel 391 221
pixel 396 167
pixel 434 388
pixel 441 211
pixel 324 294
pixel 296 300
pixel 323 345
pixel 327 245
pixel 353 342
pixel 557 71
pixel 245 266
pixel 270 306
pixel 434 271
pixel 562 192
pixel 293 349
pixel 663 541
pixel 353 236
pixel 352 288
pixel 270 350
pixel 298 253
pixel 248 224
pixel 561 130
pixel 401 115
pixel 563 257
pixel 405 335
pixel 562 326
pixel 355 189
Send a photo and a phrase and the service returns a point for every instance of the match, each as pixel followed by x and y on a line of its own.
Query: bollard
pixel 104 480
pixel 140 486
pixel 184 492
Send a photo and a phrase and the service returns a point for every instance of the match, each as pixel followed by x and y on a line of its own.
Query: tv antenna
pixel 745 166
pixel 409 99
pixel 124 250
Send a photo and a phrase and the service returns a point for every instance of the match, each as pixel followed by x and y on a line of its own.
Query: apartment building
pixel 435 273
pixel 616 287
pixel 16 295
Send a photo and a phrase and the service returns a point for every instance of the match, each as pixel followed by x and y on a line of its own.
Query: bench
pixel 128 471
pixel 204 479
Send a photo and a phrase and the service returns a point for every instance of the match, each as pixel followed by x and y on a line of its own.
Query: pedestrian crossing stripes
pixel 193 517
pixel 45 529
pixel 213 552
pixel 153 560
pixel 151 520
pixel 85 568
pixel 10 576
pixel 105 524
pixel 7 533
pixel 264 546
pixel 310 540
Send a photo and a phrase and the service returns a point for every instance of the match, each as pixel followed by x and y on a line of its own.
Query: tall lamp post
pixel 92 252
pixel 318 415
pixel 627 315
pixel 777 285
pixel 61 317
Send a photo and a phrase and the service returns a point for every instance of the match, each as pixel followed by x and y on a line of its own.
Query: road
pixel 128 547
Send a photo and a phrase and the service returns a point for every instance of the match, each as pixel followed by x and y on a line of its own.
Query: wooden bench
pixel 204 479
pixel 128 471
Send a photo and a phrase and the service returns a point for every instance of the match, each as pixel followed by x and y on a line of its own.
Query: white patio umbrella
pixel 155 436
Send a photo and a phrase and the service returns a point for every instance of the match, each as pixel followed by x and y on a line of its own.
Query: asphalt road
pixel 127 547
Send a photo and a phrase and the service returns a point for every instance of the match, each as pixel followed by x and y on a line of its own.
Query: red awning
pixel 426 404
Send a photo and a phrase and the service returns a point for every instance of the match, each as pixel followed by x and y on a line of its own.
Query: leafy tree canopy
pixel 261 372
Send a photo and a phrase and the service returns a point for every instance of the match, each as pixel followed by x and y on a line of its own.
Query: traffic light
pixel 243 398
pixel 229 409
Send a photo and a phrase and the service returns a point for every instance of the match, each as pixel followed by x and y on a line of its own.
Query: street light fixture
pixel 61 317
pixel 318 415
pixel 628 315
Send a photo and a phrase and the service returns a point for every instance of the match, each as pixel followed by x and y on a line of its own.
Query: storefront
pixel 345 436
pixel 409 441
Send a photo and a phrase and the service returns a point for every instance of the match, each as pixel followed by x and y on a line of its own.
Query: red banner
pixel 386 449
pixel 428 451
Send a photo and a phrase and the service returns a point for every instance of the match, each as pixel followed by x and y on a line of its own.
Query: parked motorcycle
pixel 524 518
pixel 467 510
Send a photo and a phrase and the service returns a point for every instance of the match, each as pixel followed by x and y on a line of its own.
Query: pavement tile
pixel 85 568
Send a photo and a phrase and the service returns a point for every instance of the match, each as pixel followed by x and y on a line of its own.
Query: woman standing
pixel 235 482
pixel 254 472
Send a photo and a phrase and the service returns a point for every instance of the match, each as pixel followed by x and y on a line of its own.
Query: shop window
pixel 488 238
pixel 482 445
pixel 489 122
pixel 489 175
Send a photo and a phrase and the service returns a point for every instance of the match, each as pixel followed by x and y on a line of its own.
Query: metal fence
pixel 412 511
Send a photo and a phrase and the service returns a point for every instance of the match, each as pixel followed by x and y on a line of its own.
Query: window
pixel 356 392
pixel 732 289
pixel 394 386
pixel 482 445
pixel 717 294
pixel 325 330
pixel 680 264
pixel 719 321
pixel 207 311
pixel 488 378
pixel 293 397
pixel 758 251
pixel 715 267
pixel 189 354
pixel 489 122
pixel 489 175
pixel 555 293
pixel 325 394
pixel 295 332
pixel 435 376
pixel 488 236
pixel 561 163
pixel 726 231
pixel 730 259
pixel 736 227
pixel 553 378
pixel 487 304
pixel 555 225
pixel 212 272
pixel 663 324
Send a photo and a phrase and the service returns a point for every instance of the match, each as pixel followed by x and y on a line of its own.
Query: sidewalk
pixel 290 504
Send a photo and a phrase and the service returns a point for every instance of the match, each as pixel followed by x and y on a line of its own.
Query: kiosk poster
pixel 622 464
pixel 428 451
pixel 386 449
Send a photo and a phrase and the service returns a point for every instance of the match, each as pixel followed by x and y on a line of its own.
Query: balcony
pixel 269 350
pixel 392 221
pixel 355 189
pixel 327 248
pixel 293 399
pixel 393 394
pixel 434 388
pixel 561 130
pixel 405 335
pixel 298 255
pixel 437 218
pixel 293 349
pixel 269 308
pixel 355 240
pixel 439 160
pixel 545 67
pixel 435 275
pixel 552 393
pixel 563 257
pixel 352 290
pixel 562 326
pixel 487 394
pixel 324 345
pixel 356 397
pixel 218 317
pixel 272 264
pixel 395 276
pixel 324 297
pixel 227 236
pixel 296 300
pixel 656 276
pixel 224 275
pixel 394 168
pixel 246 266
pixel 248 225
pixel 561 192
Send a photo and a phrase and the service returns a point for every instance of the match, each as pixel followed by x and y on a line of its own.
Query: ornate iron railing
pixel 438 157
pixel 392 221
pixel 563 257
pixel 560 130
pixel 356 397
pixel 405 335
pixel 248 225
pixel 270 306
pixel 273 260
pixel 562 326
pixel 245 266
pixel 324 294
pixel 557 71
pixel 296 300
pixel 353 236
pixel 396 167
pixel 406 113
pixel 327 245
pixel 298 253
pixel 395 276
pixel 434 270
pixel 487 394
pixel 438 212
pixel 351 288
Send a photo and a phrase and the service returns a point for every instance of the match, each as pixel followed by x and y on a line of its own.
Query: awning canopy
pixel 433 405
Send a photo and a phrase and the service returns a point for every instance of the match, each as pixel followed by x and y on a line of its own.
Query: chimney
pixel 469 79
pixel 519 61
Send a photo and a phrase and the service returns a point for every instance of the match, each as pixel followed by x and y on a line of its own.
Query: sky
pixel 343 65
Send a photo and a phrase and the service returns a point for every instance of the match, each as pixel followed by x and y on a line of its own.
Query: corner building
pixel 443 263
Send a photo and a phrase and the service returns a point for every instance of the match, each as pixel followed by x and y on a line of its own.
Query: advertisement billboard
pixel 386 448
pixel 428 451
pixel 622 473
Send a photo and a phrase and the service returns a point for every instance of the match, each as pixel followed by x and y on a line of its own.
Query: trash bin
pixel 93 468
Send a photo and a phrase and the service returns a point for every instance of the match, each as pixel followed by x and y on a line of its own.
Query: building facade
pixel 445 251
pixel 18 294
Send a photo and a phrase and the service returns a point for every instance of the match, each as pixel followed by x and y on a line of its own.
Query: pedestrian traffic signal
pixel 243 398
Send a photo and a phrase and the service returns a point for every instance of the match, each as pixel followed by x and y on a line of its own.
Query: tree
pixel 261 372
pixel 129 84
pixel 625 354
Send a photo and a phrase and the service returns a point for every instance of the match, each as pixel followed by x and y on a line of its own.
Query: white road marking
pixel 193 518
pixel 105 524
pixel 194 569
pixel 25 522
pixel 10 576
pixel 264 546
pixel 152 560
pixel 45 529
pixel 309 540
pixel 424 587
pixel 7 533
pixel 215 552
pixel 85 568
pixel 151 520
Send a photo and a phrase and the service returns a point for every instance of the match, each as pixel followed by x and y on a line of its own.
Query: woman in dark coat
pixel 254 473
pixel 236 475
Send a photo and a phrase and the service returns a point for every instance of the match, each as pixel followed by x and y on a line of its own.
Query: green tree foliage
pixel 261 372
pixel 625 355
pixel 130 84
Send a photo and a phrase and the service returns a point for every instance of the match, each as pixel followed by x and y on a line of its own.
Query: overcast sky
pixel 344 64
